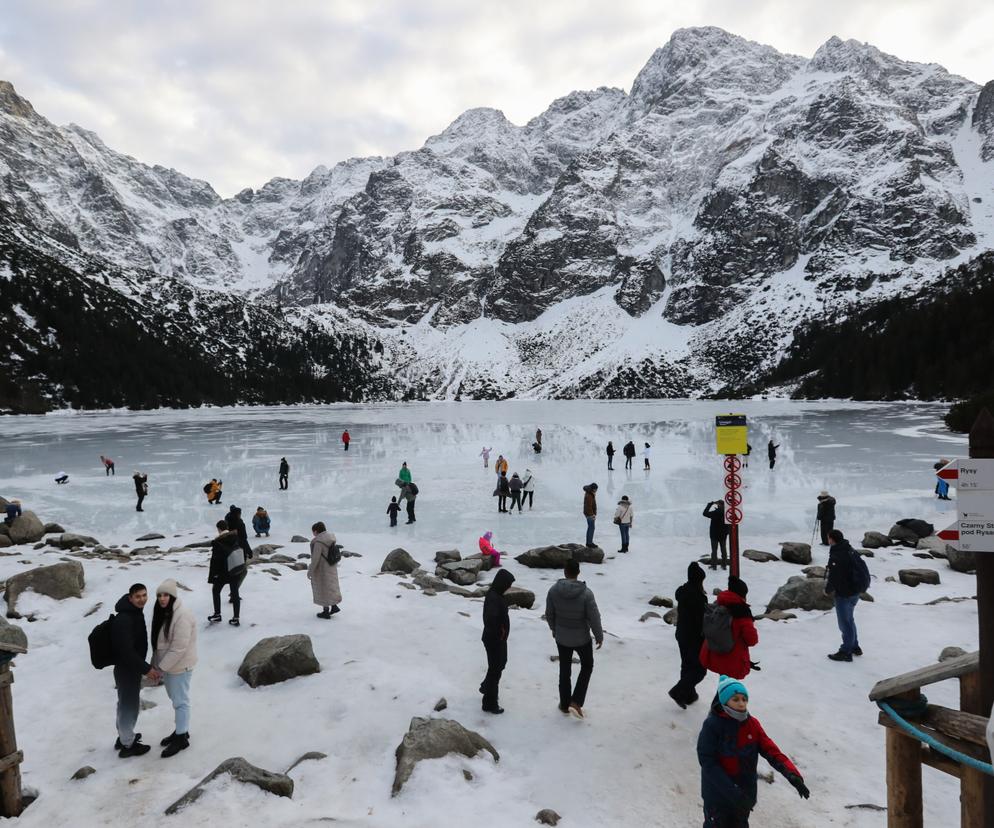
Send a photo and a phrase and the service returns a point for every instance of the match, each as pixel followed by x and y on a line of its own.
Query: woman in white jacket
pixel 174 639
pixel 528 488
pixel 623 517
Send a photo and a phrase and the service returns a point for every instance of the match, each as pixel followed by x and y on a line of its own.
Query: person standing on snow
pixel 590 510
pixel 174 642
pixel 538 436
pixel 485 454
pixel 623 517
pixel 718 532
pixel 404 473
pixel 691 602
pixel 610 456
pixel 261 522
pixel 826 515
pixel 729 632
pixel 571 613
pixel 745 457
pixel 141 488
pixel 226 568
pixel 392 510
pixel 408 493
pixel 213 490
pixel 129 646
pixel 323 571
pixel 629 452
pixel 941 486
pixel 487 548
pixel 728 748
pixel 645 455
pixel 346 439
pixel 237 525
pixel 284 474
pixel 108 465
pixel 514 486
pixel 496 628
pixel 842 582
pixel 502 491
pixel 528 488
pixel 500 465
pixel 771 452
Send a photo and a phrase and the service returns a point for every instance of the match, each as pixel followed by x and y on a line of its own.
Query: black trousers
pixel 496 662
pixel 773 462
pixel 578 693
pixel 628 462
pixel 284 481
pixel 723 543
pixel 501 503
pixel 610 462
pixel 692 672
pixel 233 582
pixel 393 518
pixel 516 500
pixel 138 508
pixel 528 497
pixel 410 512
pixel 826 527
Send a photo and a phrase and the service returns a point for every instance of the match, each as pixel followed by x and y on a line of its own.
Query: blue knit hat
pixel 728 687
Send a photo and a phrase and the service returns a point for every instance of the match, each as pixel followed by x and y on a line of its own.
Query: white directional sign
pixel 970 536
pixel 969 474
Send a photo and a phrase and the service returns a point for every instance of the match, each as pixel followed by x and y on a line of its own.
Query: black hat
pixel 695 574
pixel 738 586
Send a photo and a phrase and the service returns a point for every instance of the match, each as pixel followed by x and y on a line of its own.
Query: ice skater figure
pixel 62 478
pixel 590 510
pixel 528 488
pixel 141 489
pixel 346 439
pixel 496 628
pixel 645 455
pixel 728 748
pixel 393 508
pixel 261 522
pixel 610 456
pixel 691 602
pixel 108 465
pixel 487 548
pixel 323 571
pixel 718 532
pixel 771 452
pixel 729 632
pixel 485 454
pixel 515 485
pixel 825 515
pixel 623 517
pixel 572 615
pixel 12 511
pixel 629 452
pixel 284 474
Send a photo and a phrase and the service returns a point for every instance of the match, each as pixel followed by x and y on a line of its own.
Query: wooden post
pixel 10 775
pixel 982 446
pixel 904 778
pixel 971 796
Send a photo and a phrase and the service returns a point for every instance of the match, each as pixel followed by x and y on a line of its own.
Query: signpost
pixel 974 480
pixel 731 439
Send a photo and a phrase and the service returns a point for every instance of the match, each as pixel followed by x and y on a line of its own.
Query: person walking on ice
pixel 392 509
pixel 502 492
pixel 284 474
pixel 645 455
pixel 825 515
pixel 717 532
pixel 623 517
pixel 610 456
pixel 496 628
pixel 500 465
pixel 322 571
pixel 528 489
pixel 771 452
pixel 174 641
pixel 572 615
pixel 108 466
pixel 487 548
pixel 728 749
pixel 141 488
pixel 226 568
pixel 590 510
pixel 346 439
pixel 404 473
pixel 515 485
pixel 629 452
pixel 485 454
pixel 691 603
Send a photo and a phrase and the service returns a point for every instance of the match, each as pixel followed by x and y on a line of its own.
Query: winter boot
pixel 324 614
pixel 119 746
pixel 136 749
pixel 181 742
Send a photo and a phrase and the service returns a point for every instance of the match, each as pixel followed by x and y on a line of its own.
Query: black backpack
pixel 413 488
pixel 101 648
pixel 334 554
pixel 860 573
pixel 207 488
pixel 718 629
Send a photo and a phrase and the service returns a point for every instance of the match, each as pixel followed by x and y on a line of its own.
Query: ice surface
pixel 393 652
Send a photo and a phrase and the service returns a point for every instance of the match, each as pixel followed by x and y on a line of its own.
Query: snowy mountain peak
pixel 14 104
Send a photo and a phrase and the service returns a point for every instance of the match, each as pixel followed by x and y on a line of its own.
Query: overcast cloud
pixel 239 91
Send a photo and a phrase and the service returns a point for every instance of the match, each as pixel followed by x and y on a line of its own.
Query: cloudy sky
pixel 239 91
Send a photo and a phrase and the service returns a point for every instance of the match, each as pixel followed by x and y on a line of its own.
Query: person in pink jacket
pixel 487 548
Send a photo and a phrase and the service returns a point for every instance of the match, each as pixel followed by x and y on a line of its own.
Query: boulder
pixel 433 739
pixel 486 562
pixel 242 771
pixel 795 553
pixel 936 547
pixel 53 529
pixel 399 561
pixel 299 539
pixel 865 553
pixel 12 634
pixel 58 581
pixel 801 592
pixel 909 531
pixel 547 817
pixel 949 653
pixel 265 549
pixel 277 659
pixel 759 556
pixel 426 580
pixel 441 705
pixel 670 616
pixel 814 571
pixel 447 556
pixel 26 529
pixel 5 541
pixel 310 756
pixel 83 772
pixel 913 577
pixel 777 615
pixel 647 615
pixel 150 536
pixel 555 557
pixel 519 597
pixel 660 601
pixel 463 572
pixel 961 561
pixel 876 540
pixel 70 540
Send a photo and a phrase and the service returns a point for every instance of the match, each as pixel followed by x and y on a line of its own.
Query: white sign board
pixel 975 505
pixel 976 536
pixel 968 474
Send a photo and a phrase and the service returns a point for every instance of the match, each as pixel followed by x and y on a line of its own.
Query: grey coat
pixel 571 612
pixel 323 576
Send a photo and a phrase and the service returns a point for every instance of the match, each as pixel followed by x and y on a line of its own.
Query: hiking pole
pixel 814 529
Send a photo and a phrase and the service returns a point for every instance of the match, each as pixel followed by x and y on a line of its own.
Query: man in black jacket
pixel 129 645
pixel 237 525
pixel 496 627
pixel 843 584
pixel 826 515
pixel 284 474
pixel 691 602
pixel 227 566
pixel 141 488
pixel 629 452
pixel 718 532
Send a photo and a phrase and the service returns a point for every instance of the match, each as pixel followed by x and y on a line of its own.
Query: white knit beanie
pixel 167 587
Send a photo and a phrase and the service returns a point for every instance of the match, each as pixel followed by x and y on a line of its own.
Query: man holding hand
pixel 129 643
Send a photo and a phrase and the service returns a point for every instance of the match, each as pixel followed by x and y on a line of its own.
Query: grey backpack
pixel 718 629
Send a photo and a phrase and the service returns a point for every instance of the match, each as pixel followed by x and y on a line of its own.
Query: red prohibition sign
pixel 732 481
pixel 733 515
pixel 733 497
pixel 732 463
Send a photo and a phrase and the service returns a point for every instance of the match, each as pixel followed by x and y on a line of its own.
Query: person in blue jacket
pixel 261 522
pixel 13 510
pixel 728 750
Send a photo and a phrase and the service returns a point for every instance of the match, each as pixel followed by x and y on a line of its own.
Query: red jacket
pixel 345 437
pixel 734 663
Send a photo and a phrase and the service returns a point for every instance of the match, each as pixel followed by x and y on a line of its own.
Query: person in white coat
pixel 645 455
pixel 174 639
pixel 528 488
pixel 323 571
pixel 623 517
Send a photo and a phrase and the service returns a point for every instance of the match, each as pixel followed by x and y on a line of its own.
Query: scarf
pixel 735 714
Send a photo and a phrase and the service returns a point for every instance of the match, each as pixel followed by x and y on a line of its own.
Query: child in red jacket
pixel 487 547
pixel 735 662
pixel 728 749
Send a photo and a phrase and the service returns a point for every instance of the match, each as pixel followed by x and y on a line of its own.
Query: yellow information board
pixel 731 433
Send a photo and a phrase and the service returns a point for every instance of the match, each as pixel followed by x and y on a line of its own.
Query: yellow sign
pixel 731 433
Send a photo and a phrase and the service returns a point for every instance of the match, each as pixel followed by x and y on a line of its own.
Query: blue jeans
pixel 625 528
pixel 178 690
pixel 590 530
pixel 844 608
pixel 128 702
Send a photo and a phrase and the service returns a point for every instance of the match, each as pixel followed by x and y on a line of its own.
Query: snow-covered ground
pixel 393 652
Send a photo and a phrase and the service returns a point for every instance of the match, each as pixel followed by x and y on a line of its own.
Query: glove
pixel 755 666
pixel 799 786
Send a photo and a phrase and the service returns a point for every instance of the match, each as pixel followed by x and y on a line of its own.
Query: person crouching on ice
pixel 728 749
pixel 487 548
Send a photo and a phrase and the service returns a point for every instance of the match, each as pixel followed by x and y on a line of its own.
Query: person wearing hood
pixel 496 628
pixel 731 608
pixel 323 570
pixel 393 509
pixel 237 525
pixel 528 489
pixel 590 510
pixel 826 515
pixel 284 474
pixel 12 511
pixel 346 439
pixel 487 548
pixel 571 613
pixel 514 485
pixel 174 643
pixel 691 603
pixel 717 532
pixel 728 748
pixel 227 567
pixel 842 583
pixel 629 451
pixel 610 456
pixel 129 646
pixel 141 488
pixel 261 522
pixel 771 452
pixel 502 491
pixel 623 517
pixel 408 493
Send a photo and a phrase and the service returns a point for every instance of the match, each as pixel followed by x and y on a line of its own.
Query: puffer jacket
pixel 735 662
pixel 176 652
pixel 571 613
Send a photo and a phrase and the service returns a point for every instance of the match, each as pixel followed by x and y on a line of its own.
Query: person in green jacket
pixel 405 473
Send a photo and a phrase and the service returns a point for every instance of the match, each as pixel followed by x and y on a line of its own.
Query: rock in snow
pixel 795 553
pixel 278 659
pixel 433 739
pixel 58 581
pixel 242 771
pixel 547 817
pixel 399 560
pixel 914 577
pixel 801 592
pixel 555 557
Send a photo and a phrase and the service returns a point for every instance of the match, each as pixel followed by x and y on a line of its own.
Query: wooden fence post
pixel 10 757
pixel 904 777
